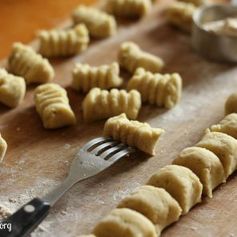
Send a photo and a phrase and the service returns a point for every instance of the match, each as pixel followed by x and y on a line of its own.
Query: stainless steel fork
pixel 94 157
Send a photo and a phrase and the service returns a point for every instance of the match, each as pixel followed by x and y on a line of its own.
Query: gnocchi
pixel 133 133
pixel 231 104
pixel 86 77
pixel 3 148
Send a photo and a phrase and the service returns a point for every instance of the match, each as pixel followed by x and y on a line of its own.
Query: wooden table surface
pixel 20 19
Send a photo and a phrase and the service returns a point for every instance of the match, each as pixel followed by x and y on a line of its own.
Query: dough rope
pixel 3 148
pixel 25 62
pixel 101 104
pixel 155 204
pixel 156 89
pixel 133 133
pixel 86 77
pixel 67 42
pixel 125 222
pixel 225 148
pixel 180 15
pixel 131 57
pixel 128 8
pixel 52 104
pixel 99 24
pixel 205 164
pixel 12 89
pixel 181 183
pixel 196 2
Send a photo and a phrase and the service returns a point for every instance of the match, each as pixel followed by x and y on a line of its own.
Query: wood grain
pixel 38 160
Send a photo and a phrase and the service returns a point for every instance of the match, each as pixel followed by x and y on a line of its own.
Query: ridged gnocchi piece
pixel 128 8
pixel 205 164
pixel 99 23
pixel 231 104
pixel 196 2
pixel 12 89
pixel 86 77
pixel 102 104
pixel 52 104
pixel 180 15
pixel 3 148
pixel 133 133
pixel 63 42
pixel 181 183
pixel 228 126
pixel 132 57
pixel 125 222
pixel 225 148
pixel 157 89
pixel 156 204
pixel 25 62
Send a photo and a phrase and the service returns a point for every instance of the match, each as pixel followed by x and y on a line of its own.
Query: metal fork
pixel 94 157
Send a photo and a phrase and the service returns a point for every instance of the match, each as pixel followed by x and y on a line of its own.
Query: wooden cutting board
pixel 38 160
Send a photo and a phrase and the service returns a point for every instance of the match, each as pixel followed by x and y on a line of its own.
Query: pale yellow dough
pixel 131 57
pixel 102 104
pixel 52 104
pixel 157 89
pixel 196 2
pixel 180 15
pixel 154 203
pixel 225 148
pixel 133 133
pixel 231 104
pixel 99 23
pixel 125 223
pixel 128 8
pixel 3 148
pixel 25 62
pixel 63 42
pixel 86 77
pixel 228 125
pixel 205 164
pixel 12 89
pixel 181 183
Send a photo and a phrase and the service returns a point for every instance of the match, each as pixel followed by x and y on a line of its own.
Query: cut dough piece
pixel 3 148
pixel 12 89
pixel 131 57
pixel 133 133
pixel 205 164
pixel 154 203
pixel 125 223
pixel 224 146
pixel 181 183
pixel 228 125
pixel 231 104
pixel 53 106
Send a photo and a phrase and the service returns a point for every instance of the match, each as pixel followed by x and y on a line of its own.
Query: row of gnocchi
pixel 175 189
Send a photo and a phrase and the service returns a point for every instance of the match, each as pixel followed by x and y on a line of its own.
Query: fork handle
pixel 26 219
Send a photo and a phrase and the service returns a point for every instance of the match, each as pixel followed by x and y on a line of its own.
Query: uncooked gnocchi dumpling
pixel 3 148
pixel 154 203
pixel 180 15
pixel 181 183
pixel 99 23
pixel 12 89
pixel 231 104
pixel 86 77
pixel 25 62
pixel 224 146
pixel 128 8
pixel 228 125
pixel 133 133
pixel 157 89
pixel 132 57
pixel 125 223
pixel 63 42
pixel 196 2
pixel 102 104
pixel 205 164
pixel 52 104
